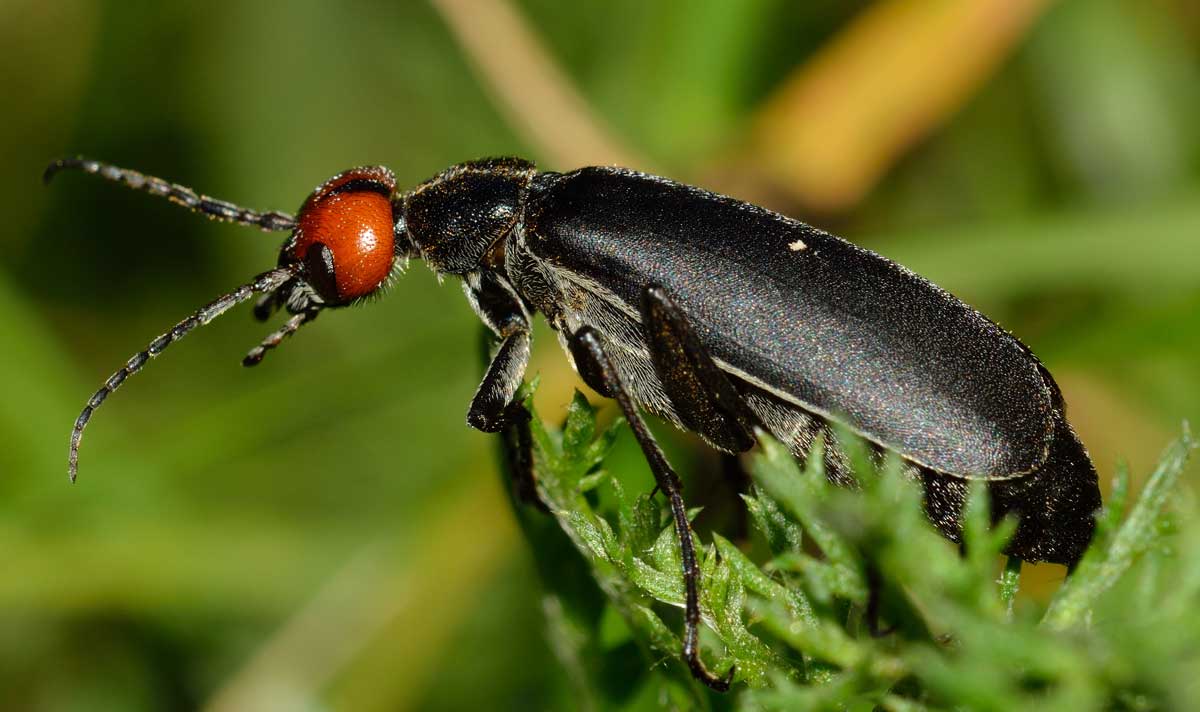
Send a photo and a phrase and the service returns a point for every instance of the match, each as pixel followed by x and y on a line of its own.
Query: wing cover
pixel 839 329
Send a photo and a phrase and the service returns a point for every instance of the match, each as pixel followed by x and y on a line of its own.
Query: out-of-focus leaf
pixel 833 129
pixel 1118 85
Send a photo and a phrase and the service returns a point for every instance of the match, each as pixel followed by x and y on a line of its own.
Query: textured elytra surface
pixel 837 328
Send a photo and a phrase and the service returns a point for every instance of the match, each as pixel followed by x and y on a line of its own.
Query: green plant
pixel 1120 633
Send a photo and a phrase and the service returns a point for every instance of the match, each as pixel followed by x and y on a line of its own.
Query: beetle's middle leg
pixel 493 405
pixel 590 357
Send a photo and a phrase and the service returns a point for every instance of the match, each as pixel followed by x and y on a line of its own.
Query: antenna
pixel 212 208
pixel 263 283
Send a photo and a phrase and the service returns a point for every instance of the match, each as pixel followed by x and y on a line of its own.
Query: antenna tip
pixel 48 174
pixel 76 438
pixel 53 169
pixel 56 166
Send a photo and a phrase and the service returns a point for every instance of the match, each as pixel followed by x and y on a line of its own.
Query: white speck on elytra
pixel 797 246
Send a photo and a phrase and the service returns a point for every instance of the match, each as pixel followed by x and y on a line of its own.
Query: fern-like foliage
pixel 1122 632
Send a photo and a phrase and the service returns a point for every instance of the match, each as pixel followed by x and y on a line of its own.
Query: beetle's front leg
pixel 501 310
pixel 493 408
pixel 588 353
pixel 505 350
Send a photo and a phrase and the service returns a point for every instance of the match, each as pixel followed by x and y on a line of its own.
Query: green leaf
pixel 780 533
pixel 959 640
pixel 579 429
pixel 1101 568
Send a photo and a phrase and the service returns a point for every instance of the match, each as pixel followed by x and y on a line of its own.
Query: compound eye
pixel 320 270
pixel 345 234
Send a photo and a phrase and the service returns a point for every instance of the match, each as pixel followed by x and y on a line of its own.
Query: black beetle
pixel 711 313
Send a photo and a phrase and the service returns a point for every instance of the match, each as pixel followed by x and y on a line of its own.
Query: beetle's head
pixel 343 245
pixel 342 248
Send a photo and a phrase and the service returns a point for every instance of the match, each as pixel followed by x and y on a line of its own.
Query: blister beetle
pixel 714 314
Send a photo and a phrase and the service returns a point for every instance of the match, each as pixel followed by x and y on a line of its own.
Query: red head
pixel 344 235
pixel 342 248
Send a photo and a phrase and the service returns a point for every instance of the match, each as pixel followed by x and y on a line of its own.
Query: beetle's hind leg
pixel 588 353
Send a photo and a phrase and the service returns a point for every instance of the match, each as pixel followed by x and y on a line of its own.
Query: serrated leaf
pixel 660 636
pixel 715 588
pixel 708 561
pixel 579 429
pixel 665 552
pixel 587 483
pixel 798 494
pixel 781 534
pixel 591 533
pixel 646 523
pixel 660 585
pixel 824 642
pixel 599 448
pixel 745 569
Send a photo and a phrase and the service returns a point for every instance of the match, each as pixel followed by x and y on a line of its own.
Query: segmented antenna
pixel 264 282
pixel 273 221
pixel 275 338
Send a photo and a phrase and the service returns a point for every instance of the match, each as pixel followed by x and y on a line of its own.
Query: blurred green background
pixel 324 532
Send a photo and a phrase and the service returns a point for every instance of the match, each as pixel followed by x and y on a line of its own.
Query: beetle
pixel 714 314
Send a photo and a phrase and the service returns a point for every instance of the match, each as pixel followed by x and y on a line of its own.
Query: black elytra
pixel 714 314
